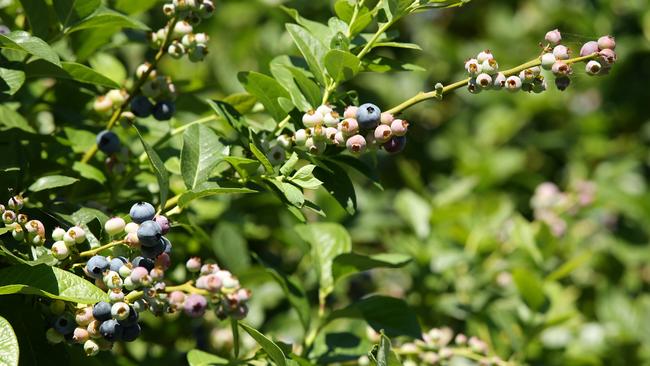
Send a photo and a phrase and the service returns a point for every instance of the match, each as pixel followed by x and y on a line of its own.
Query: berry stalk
pixel 422 96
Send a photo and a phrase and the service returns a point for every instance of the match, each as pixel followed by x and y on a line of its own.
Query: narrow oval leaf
pixel 209 189
pixel 69 71
pixel 71 11
pixel 530 287
pixel 262 158
pixel 201 153
pixel 341 65
pixel 23 41
pixel 51 282
pixel 197 357
pixel 267 90
pixel 350 263
pixel 9 351
pixel 89 172
pixel 231 247
pixel 104 17
pixel 11 119
pixel 267 345
pixel 159 170
pixel 11 80
pixel 311 48
pixel 52 181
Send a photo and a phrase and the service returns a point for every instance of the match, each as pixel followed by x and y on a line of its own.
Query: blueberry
pixel 154 251
pixel 141 212
pixel 108 142
pixel 130 333
pixel 102 311
pixel 168 245
pixel 368 116
pixel 111 330
pixel 131 319
pixel 141 106
pixel 65 324
pixel 164 110
pixel 120 311
pixel 116 263
pixel 150 234
pixel 396 144
pixel 195 305
pixel 147 263
pixel 163 222
pixel 96 266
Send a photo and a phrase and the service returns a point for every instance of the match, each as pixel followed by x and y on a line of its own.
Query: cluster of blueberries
pixel 484 69
pixel 361 128
pixel 137 285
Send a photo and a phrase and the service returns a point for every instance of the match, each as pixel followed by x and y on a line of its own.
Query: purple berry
pixel 589 48
pixel 395 145
pixel 195 305
pixel 108 142
pixel 163 222
pixel 164 110
pixel 141 106
pixel 606 42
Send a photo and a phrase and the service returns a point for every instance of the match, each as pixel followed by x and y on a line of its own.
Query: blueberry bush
pixel 320 183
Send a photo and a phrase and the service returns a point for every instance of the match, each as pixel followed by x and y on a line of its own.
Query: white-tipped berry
pixel 561 52
pixel 330 134
pixel 102 104
pixel 553 37
pixel 300 137
pixel 284 141
pixel 315 146
pixel 176 49
pixel 473 67
pixel 114 226
pixel 499 81
pixel 484 56
pixel 60 251
pixel 312 118
pixel 324 109
pixel 593 67
pixel 331 119
pixel 117 96
pixel 182 28
pixel 77 233
pixel 339 138
pixel 484 80
pixel 513 83
pixel 548 59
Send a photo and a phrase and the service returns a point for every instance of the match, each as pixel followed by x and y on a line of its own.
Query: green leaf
pixel 280 69
pixel 234 328
pixel 244 166
pixel 159 170
pixel 230 114
pixel 23 41
pixel 89 172
pixel 231 247
pixel 133 7
pixel 261 157
pixel 530 287
pixel 267 90
pixel 12 119
pixel 311 48
pixel 272 349
pixel 568 267
pixel 304 177
pixel 104 17
pixel 52 181
pixel 11 80
pixel 52 282
pixel 392 315
pixel 320 31
pixel 71 11
pixel 242 102
pixel 327 241
pixel 415 210
pixel 341 65
pixel 9 351
pixel 201 153
pixel 338 183
pixel 209 189
pixel 197 357
pixel 522 236
pixel 345 10
pixel 110 65
pixel 351 263
pixel 383 355
pixel 410 46
pixel 287 167
pixel 69 71
pixel 309 89
pixel 382 64
pixel 41 21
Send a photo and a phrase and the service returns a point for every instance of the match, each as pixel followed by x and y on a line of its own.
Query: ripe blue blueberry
pixel 116 263
pixel 108 142
pixel 141 106
pixel 164 110
pixel 131 319
pixel 150 234
pixel 368 116
pixel 147 263
pixel 96 266
pixel 396 144
pixel 130 333
pixel 102 311
pixel 111 330
pixel 141 212
pixel 65 324
pixel 154 251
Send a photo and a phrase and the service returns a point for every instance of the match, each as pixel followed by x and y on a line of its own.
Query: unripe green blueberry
pixel 489 66
pixel 117 96
pixel 169 10
pixel 182 28
pixel 206 9
pixel 102 104
pixel 356 144
pixel 528 75
pixel 8 217
pixel 318 133
pixel 324 109
pixel 386 118
pixel 399 127
pixel 553 37
pixel 499 81
pixel 350 112
pixel 201 38
pixel 91 348
pixel 176 50
pixel 128 284
pixel 539 85
pixel 300 137
pixel 57 307
pixel 114 226
pixel 22 219
pixel 562 82
pixel 484 56
pixel 548 59
pixel 131 227
pixel 312 118
pixel 53 336
pixel 58 233
pixel 113 280
pixel 142 69
pixel 16 203
pixel 116 295
pixel 382 133
pixel 17 233
pixel 473 67
pixel 2 209
pixel 561 52
pixel 331 119
pixel 513 83
pixel 606 42
pixel 560 68
pixel 60 251
pixel 589 48
pixel 484 80
pixel 593 67
pixel 150 89
pixel 77 233
pixel 315 146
